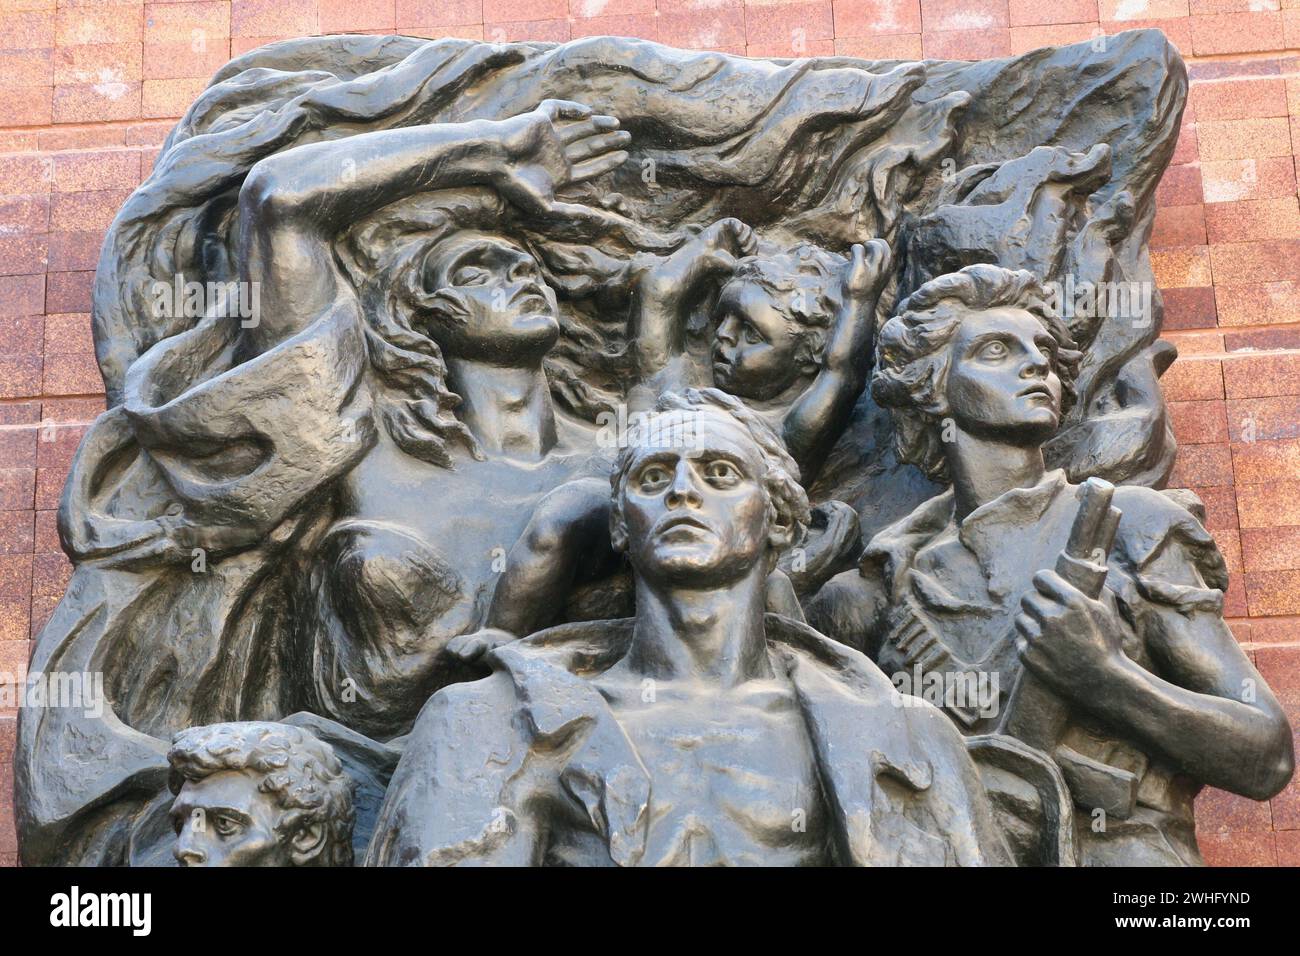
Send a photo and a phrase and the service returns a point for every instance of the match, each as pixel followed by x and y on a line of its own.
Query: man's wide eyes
pixel 994 350
pixel 226 826
pixel 655 476
pixel 721 472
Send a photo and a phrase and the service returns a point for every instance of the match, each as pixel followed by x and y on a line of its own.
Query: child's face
pixel 754 349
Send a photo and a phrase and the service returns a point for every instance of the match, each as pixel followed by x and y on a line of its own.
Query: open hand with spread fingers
pixel 556 145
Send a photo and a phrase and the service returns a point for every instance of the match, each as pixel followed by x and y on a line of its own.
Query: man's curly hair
pixel 805 287
pixel 787 502
pixel 298 769
pixel 912 356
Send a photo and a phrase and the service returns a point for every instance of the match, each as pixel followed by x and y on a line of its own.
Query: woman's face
pixel 499 307
pixel 1002 379
pixel 755 353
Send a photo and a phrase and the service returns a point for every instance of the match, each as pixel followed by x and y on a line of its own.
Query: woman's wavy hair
pixel 912 355
pixel 386 256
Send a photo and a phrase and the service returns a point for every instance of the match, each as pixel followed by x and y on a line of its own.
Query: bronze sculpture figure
pixel 259 795
pixel 472 266
pixel 1160 697
pixel 704 731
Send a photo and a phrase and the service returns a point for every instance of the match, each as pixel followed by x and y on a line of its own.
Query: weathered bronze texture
pixel 849 337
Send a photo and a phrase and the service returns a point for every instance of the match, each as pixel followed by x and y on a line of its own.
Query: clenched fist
pixel 1073 643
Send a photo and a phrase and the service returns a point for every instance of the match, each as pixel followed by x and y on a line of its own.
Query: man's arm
pixel 1214 716
pixel 569 527
pixel 848 609
pixel 1208 712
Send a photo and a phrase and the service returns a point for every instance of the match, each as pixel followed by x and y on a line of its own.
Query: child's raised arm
pixel 667 288
pixel 817 417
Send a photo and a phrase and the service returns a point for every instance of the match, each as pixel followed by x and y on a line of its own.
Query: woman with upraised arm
pixel 406 235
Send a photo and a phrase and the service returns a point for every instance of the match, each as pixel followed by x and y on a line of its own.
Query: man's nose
pixel 187 852
pixel 683 492
pixel 726 333
pixel 1036 364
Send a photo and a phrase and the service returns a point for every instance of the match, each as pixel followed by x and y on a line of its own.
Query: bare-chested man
pixel 704 730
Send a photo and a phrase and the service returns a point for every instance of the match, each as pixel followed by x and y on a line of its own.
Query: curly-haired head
pixel 298 770
pixel 913 357
pixel 804 284
pixel 787 502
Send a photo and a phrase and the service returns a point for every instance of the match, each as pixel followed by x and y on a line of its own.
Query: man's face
pixel 1002 380
pixel 223 820
pixel 696 512
pixel 755 351
pixel 510 310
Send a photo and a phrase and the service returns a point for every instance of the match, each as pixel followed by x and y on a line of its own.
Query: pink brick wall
pixel 89 89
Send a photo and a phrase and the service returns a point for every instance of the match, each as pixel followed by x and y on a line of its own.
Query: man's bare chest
pixel 732 782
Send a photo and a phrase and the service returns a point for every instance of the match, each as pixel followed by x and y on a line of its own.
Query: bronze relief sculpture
pixel 370 520
pixel 703 731
pixel 1160 697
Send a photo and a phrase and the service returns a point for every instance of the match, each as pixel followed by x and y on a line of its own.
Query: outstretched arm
pixel 817 417
pixel 294 203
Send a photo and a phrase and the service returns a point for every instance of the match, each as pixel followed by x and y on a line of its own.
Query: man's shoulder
pixel 545 677
pixel 1148 505
pixel 467 708
pixel 860 680
pixel 840 663
pixel 1161 533
pixel 583 648
pixel 863 729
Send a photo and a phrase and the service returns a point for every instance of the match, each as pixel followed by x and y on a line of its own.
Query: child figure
pixel 793 330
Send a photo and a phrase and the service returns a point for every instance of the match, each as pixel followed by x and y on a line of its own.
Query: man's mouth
pixel 681 521
pixel 1039 389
